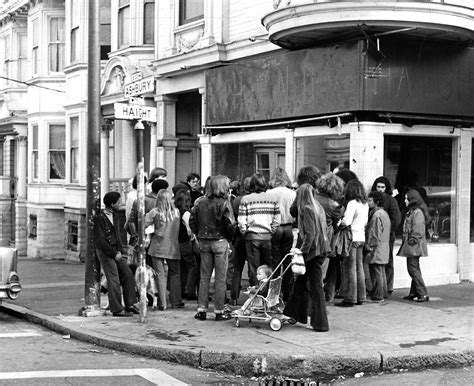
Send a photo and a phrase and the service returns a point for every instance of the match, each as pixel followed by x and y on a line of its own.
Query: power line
pixel 32 85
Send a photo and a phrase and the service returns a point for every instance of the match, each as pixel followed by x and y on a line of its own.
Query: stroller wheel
pixel 237 322
pixel 275 324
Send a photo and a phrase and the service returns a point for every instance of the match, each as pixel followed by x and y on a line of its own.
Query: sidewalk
pixel 397 334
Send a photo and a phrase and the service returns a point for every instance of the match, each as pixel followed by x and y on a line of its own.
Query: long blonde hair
pixel 165 206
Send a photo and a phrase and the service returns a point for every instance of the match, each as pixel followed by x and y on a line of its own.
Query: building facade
pixel 381 87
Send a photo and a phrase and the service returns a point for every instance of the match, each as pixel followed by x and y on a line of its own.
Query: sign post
pixel 136 110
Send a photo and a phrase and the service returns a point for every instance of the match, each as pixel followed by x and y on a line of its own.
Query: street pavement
pixel 371 338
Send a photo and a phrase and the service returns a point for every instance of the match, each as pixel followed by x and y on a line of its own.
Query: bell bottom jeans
pixel 418 287
pixel 118 276
pixel 214 255
pixel 353 274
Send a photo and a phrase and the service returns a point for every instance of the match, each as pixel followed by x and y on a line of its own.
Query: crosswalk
pixel 154 376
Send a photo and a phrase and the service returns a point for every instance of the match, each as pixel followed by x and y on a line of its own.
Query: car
pixel 10 287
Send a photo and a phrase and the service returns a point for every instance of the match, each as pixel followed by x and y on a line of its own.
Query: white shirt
pixel 357 216
pixel 285 197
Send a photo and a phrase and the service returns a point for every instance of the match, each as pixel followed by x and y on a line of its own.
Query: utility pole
pixel 92 268
pixel 141 225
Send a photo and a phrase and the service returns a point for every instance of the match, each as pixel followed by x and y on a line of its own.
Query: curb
pixel 314 367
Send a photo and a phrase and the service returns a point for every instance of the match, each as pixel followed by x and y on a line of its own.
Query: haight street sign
pixel 139 87
pixel 124 111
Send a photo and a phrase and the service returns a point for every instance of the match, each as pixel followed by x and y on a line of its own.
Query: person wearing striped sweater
pixel 259 218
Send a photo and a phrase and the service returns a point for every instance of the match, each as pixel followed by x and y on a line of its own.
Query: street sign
pixel 139 87
pixel 137 101
pixel 124 111
pixel 136 76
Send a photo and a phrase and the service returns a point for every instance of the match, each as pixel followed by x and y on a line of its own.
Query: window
pixel 34 152
pixel 74 125
pixel 32 230
pixel 149 22
pixel 7 59
pixel 57 153
pixel 22 57
pixel 35 53
pixel 104 29
pixel 1 156
pixel 190 10
pixel 72 235
pixel 425 164
pixel 124 23
pixel 75 14
pixel 263 164
pixel 56 44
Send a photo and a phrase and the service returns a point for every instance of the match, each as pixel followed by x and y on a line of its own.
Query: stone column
pixel 290 153
pixel 206 156
pixel 463 207
pixel 166 135
pixel 366 151
pixel 20 204
pixel 153 145
pixel 104 158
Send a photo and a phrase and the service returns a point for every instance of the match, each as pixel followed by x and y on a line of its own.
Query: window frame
pixel 34 152
pixel 148 20
pixel 182 19
pixel 122 33
pixel 72 236
pixel 35 49
pixel 57 151
pixel 56 65
pixel 74 150
pixel 33 227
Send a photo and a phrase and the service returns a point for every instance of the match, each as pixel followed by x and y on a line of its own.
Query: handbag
pixel 297 262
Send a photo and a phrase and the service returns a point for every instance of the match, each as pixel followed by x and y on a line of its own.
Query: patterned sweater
pixel 259 216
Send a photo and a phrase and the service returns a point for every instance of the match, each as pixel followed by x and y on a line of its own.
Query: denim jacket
pixel 212 218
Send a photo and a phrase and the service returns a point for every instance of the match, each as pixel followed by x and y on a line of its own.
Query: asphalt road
pixel 33 355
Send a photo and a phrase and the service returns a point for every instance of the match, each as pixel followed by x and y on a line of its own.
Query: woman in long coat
pixel 414 244
pixel 377 246
pixel 315 245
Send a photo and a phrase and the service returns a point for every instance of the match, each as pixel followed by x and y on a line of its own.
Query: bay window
pixel 56 44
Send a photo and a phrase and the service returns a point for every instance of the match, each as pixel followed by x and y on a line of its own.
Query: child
pixel 164 248
pixel 263 275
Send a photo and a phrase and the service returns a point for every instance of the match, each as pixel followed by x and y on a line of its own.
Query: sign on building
pixel 139 87
pixel 124 111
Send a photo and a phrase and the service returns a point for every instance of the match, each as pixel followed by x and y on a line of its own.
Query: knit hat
pixel 111 198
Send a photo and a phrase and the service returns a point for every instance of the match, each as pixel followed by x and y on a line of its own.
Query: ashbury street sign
pixel 124 111
pixel 139 87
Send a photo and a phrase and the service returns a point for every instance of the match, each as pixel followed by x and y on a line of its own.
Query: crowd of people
pixel 346 238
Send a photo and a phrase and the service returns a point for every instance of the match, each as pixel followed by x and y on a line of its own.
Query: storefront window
pixel 240 160
pixel 425 164
pixel 329 153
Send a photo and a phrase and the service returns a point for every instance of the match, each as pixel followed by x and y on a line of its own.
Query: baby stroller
pixel 267 308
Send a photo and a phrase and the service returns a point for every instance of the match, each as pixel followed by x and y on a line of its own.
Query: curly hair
pixel 308 175
pixel 377 197
pixel 385 181
pixel 330 185
pixel 355 191
pixel 279 178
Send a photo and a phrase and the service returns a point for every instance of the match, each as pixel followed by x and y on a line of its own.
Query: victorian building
pixel 381 87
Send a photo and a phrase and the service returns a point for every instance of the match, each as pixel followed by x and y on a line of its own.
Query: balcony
pixel 306 23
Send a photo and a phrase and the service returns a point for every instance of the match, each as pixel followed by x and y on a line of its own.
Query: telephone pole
pixel 92 268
